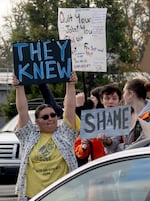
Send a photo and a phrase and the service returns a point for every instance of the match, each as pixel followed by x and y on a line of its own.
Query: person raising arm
pixel 21 103
pixel 46 148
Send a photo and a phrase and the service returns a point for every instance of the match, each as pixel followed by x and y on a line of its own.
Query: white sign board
pixel 86 29
pixel 114 121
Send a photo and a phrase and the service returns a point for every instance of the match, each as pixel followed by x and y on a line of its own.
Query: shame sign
pixel 114 121
pixel 42 61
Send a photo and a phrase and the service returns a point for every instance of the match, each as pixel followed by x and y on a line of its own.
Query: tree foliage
pixel 17 24
pixel 42 19
pixel 127 32
pixel 5 55
pixel 116 25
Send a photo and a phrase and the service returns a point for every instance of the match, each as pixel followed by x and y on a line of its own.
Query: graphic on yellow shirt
pixel 44 152
pixel 46 165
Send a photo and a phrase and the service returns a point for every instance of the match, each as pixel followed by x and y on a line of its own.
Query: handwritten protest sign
pixel 85 27
pixel 42 61
pixel 114 121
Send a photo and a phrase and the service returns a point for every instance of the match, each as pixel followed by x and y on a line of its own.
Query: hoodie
pixel 136 133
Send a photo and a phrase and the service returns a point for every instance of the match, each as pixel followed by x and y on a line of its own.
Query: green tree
pixel 5 55
pixel 42 19
pixel 9 109
pixel 16 30
pixel 37 20
pixel 17 24
pixel 117 43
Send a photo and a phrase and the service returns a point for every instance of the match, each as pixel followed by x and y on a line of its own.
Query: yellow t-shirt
pixel 46 165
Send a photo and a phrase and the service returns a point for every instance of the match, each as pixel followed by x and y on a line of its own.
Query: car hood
pixel 100 161
pixel 8 137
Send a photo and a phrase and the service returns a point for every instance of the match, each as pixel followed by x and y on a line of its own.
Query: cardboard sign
pixel 85 27
pixel 114 121
pixel 42 61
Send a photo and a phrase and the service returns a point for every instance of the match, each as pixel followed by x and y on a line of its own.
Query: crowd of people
pixel 49 151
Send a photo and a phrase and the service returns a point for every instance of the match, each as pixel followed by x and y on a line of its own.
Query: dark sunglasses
pixel 46 116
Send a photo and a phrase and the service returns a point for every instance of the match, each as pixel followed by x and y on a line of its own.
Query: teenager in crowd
pixel 111 96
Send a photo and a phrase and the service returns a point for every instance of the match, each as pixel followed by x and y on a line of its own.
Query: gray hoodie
pixel 136 133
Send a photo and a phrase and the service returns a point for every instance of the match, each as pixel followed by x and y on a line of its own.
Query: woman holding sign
pixel 46 149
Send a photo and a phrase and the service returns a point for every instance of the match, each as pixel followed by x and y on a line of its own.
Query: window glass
pixel 121 181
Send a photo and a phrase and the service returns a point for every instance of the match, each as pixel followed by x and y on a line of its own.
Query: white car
pixel 11 125
pixel 10 148
pixel 122 176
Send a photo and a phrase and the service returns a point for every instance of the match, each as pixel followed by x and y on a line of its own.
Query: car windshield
pixel 121 181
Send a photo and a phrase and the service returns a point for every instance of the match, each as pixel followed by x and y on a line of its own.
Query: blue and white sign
pixel 42 61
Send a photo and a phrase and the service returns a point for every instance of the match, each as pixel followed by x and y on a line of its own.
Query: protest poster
pixel 42 61
pixel 85 27
pixel 113 121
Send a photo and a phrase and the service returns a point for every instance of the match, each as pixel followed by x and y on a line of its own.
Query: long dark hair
pixel 96 92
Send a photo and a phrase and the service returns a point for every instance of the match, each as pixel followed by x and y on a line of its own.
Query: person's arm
pixel 49 99
pixel 70 100
pixel 21 103
pixel 80 100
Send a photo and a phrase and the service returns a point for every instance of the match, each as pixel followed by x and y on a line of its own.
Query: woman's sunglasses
pixel 46 116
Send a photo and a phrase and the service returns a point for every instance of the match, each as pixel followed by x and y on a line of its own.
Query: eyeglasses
pixel 46 116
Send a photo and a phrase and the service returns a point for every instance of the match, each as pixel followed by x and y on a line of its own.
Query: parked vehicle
pixel 122 176
pixel 11 125
pixel 10 148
